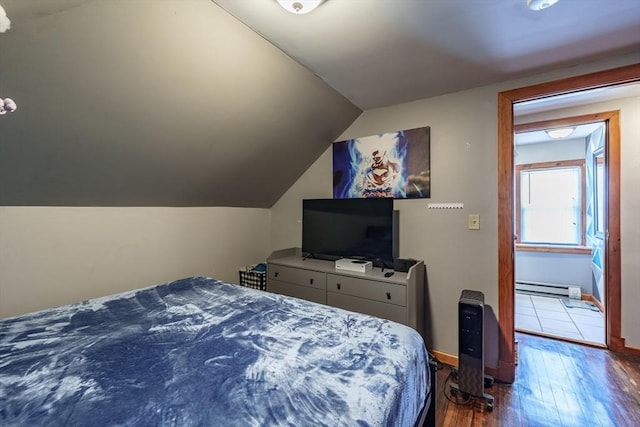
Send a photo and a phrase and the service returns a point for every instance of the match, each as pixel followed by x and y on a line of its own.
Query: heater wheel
pixel 488 402
pixel 455 391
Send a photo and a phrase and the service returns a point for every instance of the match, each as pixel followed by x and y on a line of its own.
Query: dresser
pixel 399 297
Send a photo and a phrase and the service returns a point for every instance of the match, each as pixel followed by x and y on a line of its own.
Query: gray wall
pixel 51 256
pixel 154 103
pixel 463 169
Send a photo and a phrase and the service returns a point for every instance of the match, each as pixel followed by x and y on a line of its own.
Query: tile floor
pixel 549 316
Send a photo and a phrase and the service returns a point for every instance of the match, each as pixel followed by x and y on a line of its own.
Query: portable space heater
pixel 471 377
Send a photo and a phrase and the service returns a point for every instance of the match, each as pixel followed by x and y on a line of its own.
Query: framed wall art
pixel 394 164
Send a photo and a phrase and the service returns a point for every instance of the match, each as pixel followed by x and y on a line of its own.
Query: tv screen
pixel 349 228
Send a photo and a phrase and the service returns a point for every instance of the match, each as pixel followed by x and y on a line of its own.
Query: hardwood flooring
pixel 557 384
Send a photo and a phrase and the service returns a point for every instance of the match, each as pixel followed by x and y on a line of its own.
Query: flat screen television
pixel 350 228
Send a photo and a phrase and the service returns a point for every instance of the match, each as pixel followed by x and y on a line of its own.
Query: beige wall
pixel 463 169
pixel 51 256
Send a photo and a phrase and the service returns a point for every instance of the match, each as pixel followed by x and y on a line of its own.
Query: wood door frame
pixel 506 247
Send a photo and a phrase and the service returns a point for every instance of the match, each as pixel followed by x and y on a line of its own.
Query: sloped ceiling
pixel 228 102
pixel 386 52
pixel 154 103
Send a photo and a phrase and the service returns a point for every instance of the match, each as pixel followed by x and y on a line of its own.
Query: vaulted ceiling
pixel 228 102
pixel 154 103
pixel 385 52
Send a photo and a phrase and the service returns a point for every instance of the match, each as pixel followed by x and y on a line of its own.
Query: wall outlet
pixel 474 222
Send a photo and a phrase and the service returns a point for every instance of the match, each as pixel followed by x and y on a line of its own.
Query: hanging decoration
pixel 7 105
pixel 394 164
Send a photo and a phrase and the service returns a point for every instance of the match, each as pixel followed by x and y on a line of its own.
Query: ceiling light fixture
pixel 299 6
pixel 540 4
pixel 7 105
pixel 560 133
pixel 5 23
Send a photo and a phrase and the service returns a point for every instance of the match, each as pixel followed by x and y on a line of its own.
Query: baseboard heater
pixel 549 289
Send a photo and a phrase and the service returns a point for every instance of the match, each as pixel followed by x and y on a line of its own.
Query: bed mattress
pixel 200 352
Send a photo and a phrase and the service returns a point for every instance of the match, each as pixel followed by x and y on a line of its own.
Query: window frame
pixel 543 247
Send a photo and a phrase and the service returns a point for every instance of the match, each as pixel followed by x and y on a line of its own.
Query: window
pixel 550 205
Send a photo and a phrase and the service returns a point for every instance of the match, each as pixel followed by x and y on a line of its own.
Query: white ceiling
pixel 538 136
pixel 384 52
pixel 577 98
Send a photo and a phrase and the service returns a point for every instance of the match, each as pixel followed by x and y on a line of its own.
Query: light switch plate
pixel 474 222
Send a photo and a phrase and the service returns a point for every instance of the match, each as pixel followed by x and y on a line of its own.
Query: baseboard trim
pixel 452 360
pixel 591 298
pixel 619 345
pixel 631 350
pixel 445 358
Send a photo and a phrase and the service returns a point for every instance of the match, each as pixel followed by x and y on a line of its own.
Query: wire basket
pixel 253 279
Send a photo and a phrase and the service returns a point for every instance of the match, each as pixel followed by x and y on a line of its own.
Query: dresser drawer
pixel 303 292
pixel 314 279
pixel 362 288
pixel 366 306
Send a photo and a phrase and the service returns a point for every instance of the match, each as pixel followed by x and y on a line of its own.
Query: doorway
pixel 559 221
pixel 506 291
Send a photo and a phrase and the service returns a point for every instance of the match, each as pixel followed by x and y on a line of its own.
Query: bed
pixel 200 352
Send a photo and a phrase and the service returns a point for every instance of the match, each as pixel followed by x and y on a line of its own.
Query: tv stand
pixel 399 297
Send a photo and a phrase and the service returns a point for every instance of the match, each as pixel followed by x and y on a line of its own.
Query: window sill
pixel 524 247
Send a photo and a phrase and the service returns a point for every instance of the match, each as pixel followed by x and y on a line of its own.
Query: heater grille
pixel 548 289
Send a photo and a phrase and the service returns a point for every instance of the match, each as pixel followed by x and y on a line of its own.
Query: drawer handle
pixel 338 285
pixel 276 274
pixel 311 281
pixel 388 295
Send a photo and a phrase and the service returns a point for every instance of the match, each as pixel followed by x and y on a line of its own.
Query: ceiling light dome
pixel 299 6
pixel 7 105
pixel 560 133
pixel 540 4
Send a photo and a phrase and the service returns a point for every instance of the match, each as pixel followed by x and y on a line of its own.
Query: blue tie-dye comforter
pixel 199 352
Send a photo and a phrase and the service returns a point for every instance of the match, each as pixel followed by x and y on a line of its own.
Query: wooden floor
pixel 557 384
